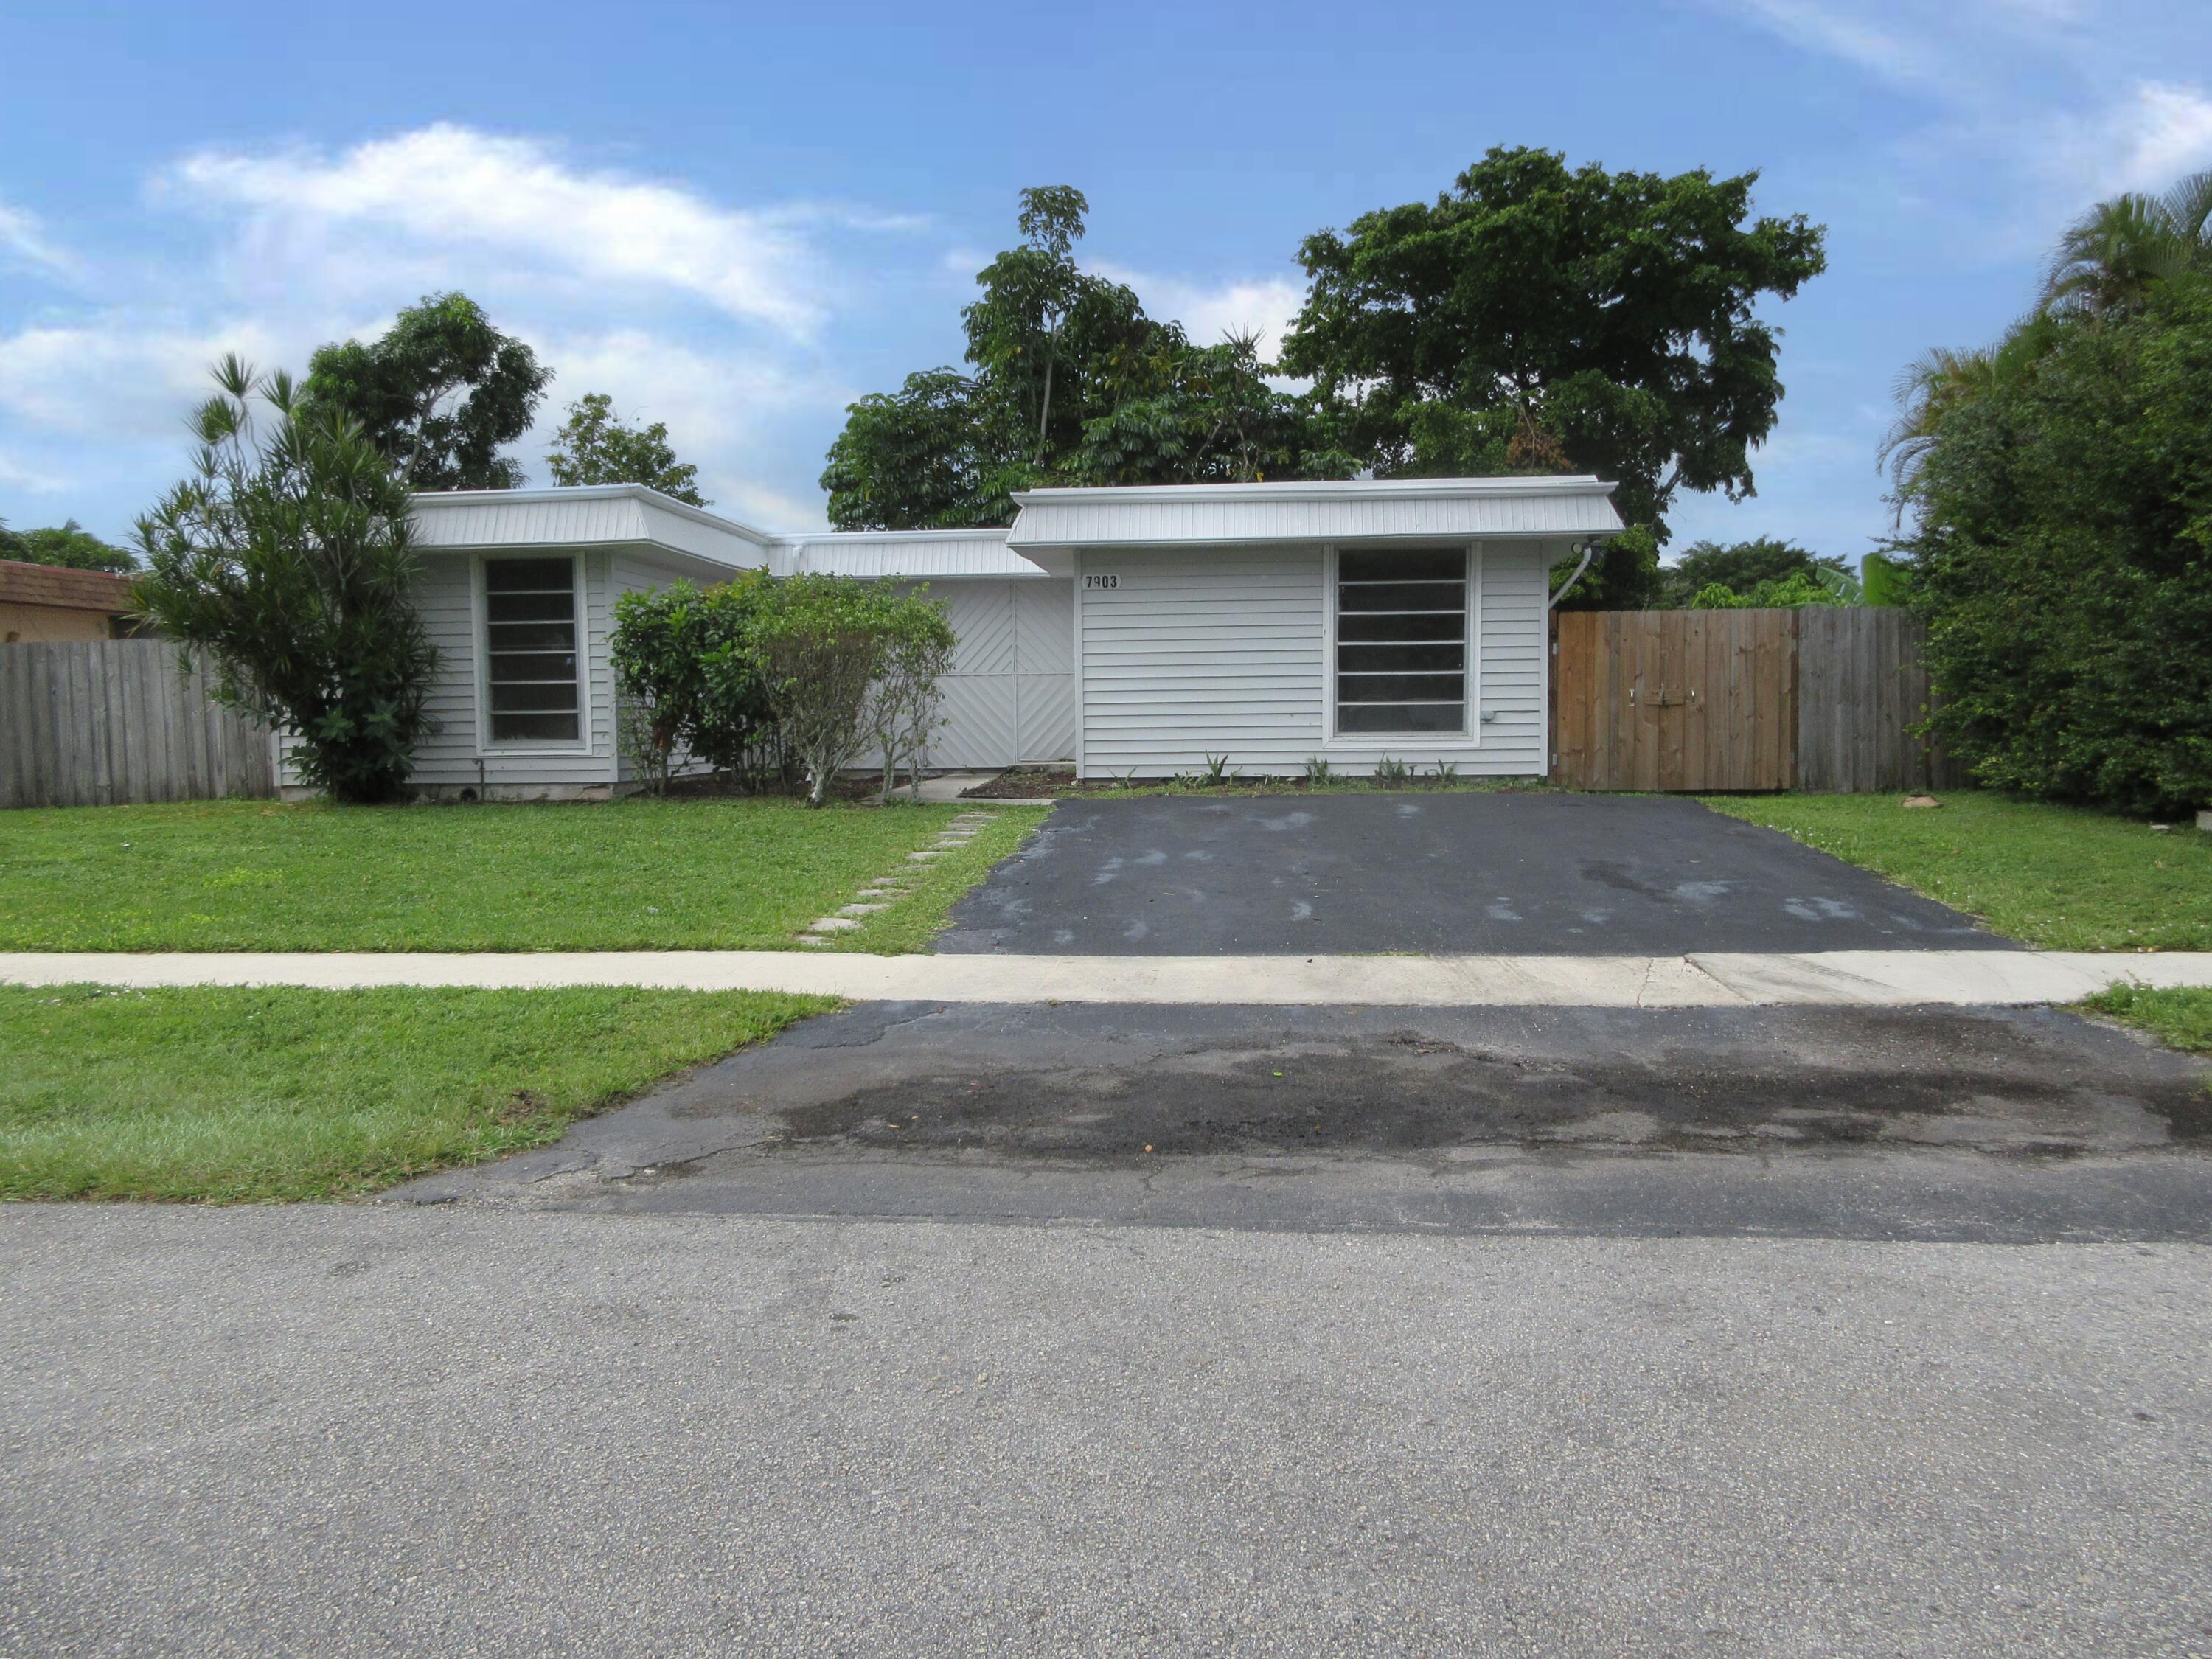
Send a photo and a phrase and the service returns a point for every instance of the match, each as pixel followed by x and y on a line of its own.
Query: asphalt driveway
pixel 1514 873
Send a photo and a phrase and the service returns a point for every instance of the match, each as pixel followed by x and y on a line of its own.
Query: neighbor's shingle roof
pixel 68 590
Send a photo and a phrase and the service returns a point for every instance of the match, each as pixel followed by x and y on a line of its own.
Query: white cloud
pixel 121 376
pixel 25 239
pixel 1838 33
pixel 16 475
pixel 722 411
pixel 453 189
pixel 685 309
pixel 1211 311
pixel 2154 134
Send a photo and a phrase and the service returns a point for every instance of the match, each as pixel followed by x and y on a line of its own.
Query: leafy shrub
pixel 2064 563
pixel 905 708
pixel 1799 588
pixel 286 559
pixel 822 643
pixel 685 661
pixel 1392 774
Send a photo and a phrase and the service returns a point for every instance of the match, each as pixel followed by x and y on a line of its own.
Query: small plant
pixel 1317 768
pixel 1447 773
pixel 1391 774
pixel 1125 780
pixel 1216 768
pixel 1186 781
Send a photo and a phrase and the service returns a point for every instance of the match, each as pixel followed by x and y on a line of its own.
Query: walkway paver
pixel 1831 978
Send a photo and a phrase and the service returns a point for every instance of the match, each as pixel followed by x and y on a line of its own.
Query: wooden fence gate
pixel 1818 699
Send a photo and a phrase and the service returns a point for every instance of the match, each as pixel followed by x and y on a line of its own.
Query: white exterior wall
pixel 1227 652
pixel 449 598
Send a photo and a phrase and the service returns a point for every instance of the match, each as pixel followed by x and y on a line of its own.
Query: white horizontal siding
pixel 1186 659
pixel 449 756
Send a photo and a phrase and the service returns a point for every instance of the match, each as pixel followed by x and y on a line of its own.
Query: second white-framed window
pixel 1401 643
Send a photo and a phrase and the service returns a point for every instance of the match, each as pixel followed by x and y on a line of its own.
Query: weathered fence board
pixel 96 723
pixel 1675 700
pixel 1819 698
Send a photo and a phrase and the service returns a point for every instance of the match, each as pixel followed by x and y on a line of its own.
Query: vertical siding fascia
pixel 1478 687
pixel 1082 707
pixel 1545 714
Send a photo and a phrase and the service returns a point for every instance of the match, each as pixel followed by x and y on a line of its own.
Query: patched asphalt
pixel 1512 872
pixel 2007 1125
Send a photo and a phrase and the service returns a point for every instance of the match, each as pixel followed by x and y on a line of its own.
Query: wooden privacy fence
pixel 1818 699
pixel 101 722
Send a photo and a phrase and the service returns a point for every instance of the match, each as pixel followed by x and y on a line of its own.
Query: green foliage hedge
pixel 2064 561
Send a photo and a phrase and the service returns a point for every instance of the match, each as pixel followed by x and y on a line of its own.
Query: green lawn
pixel 2180 1019
pixel 2063 877
pixel 624 875
pixel 227 1095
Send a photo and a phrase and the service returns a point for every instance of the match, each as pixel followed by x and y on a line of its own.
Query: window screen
pixel 530 642
pixel 1401 641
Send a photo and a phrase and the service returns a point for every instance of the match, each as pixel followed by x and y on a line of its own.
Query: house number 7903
pixel 1102 581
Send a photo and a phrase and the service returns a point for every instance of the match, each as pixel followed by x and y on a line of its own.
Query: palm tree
pixel 2120 250
pixel 1940 382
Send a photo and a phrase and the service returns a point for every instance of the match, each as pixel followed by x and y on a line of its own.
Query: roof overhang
pixel 912 555
pixel 1197 516
pixel 584 516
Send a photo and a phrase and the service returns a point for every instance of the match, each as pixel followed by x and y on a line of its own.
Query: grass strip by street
pixel 630 875
pixel 2060 877
pixel 232 1096
pixel 2178 1016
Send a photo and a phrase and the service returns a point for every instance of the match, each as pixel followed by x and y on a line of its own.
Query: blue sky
pixel 736 221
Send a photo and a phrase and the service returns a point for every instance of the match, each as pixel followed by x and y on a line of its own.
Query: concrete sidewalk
pixel 1702 980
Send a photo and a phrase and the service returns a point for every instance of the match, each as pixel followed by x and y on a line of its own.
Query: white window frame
pixel 581 743
pixel 1409 744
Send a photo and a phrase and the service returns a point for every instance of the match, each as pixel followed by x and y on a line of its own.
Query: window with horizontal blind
pixel 531 680
pixel 1401 641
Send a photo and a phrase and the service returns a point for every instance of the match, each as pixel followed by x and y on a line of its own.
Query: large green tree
pixel 1535 319
pixel 1740 566
pixel 440 392
pixel 69 545
pixel 286 556
pixel 594 445
pixel 2062 557
pixel 2115 256
pixel 1069 380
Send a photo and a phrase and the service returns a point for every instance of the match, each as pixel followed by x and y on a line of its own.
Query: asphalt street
pixel 1985 1124
pixel 356 1431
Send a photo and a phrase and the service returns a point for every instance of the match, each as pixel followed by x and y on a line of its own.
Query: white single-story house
pixel 1126 631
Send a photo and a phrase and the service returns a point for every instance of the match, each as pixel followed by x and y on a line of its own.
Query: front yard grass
pixel 228 1094
pixel 631 875
pixel 2063 878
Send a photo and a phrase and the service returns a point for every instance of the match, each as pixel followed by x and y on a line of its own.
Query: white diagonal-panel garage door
pixel 1010 696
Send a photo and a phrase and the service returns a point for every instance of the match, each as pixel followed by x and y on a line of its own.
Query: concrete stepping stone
pixel 861 910
pixel 831 925
pixel 924 857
